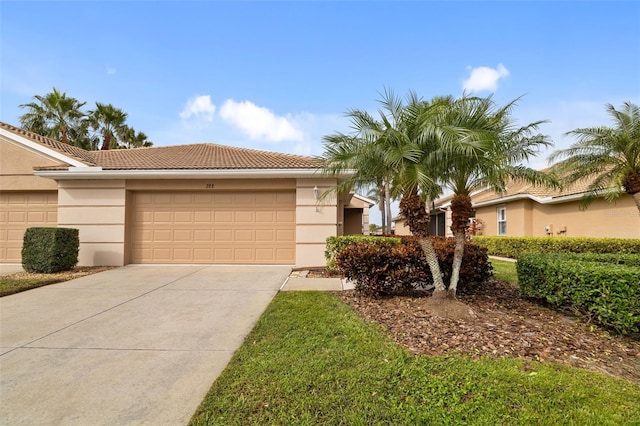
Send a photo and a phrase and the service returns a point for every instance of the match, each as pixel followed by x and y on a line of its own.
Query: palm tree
pixel 487 153
pixel 397 154
pixel 609 156
pixel 129 138
pixel 108 121
pixel 56 116
pixel 361 155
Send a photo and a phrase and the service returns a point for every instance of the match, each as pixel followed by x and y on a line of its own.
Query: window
pixel 502 221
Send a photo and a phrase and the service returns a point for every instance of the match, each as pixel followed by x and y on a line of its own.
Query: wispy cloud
pixel 111 70
pixel 199 107
pixel 484 78
pixel 259 122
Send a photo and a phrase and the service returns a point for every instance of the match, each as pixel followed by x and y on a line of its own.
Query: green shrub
pixel 515 247
pixel 336 244
pixel 604 288
pixel 48 250
pixel 385 266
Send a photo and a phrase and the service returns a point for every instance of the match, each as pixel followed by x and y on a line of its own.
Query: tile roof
pixel 523 188
pixel 74 152
pixel 179 157
pixel 199 156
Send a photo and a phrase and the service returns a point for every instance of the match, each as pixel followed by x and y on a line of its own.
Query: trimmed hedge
pixel 514 247
pixel 336 244
pixel 387 266
pixel 603 288
pixel 48 250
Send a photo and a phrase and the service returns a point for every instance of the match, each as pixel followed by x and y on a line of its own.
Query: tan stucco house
pixel 526 210
pixel 202 203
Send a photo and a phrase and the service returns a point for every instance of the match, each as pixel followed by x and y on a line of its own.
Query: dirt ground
pixel 506 326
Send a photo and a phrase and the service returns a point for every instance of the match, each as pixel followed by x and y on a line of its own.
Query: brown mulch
pixel 506 326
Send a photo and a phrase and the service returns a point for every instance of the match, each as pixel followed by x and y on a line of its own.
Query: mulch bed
pixel 507 327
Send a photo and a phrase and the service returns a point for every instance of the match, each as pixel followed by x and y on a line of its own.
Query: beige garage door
pixel 209 227
pixel 19 211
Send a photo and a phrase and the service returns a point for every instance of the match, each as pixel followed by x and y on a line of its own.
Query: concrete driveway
pixel 134 345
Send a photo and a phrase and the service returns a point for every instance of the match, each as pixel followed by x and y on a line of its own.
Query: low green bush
pixel 336 244
pixel 514 247
pixel 385 266
pixel 603 288
pixel 48 250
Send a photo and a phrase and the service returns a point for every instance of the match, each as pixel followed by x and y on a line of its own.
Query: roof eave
pixel 541 200
pixel 99 173
pixel 38 147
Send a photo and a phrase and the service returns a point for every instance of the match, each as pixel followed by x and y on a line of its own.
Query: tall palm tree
pixel 108 121
pixel 488 152
pixel 56 116
pixel 609 156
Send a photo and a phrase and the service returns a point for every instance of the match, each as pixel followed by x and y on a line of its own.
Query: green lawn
pixel 311 360
pixel 503 270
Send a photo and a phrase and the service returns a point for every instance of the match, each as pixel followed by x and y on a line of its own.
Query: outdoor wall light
pixel 316 192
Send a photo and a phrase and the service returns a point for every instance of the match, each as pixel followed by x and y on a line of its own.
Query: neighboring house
pixel 356 214
pixel 438 226
pixel 202 203
pixel 526 210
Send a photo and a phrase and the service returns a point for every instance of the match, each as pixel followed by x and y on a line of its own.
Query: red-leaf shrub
pixel 382 268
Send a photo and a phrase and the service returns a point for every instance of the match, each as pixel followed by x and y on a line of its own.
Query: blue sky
pixel 280 75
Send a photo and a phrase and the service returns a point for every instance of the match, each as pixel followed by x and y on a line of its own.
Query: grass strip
pixel 311 360
pixel 505 271
pixel 11 286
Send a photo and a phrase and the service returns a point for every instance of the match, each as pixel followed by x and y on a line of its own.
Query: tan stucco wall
pixel 315 221
pixel 601 219
pixel 16 168
pixel 401 228
pixel 97 209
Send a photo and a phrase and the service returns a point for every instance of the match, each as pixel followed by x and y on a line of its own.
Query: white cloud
pixel 259 122
pixel 199 107
pixel 484 78
pixel 111 70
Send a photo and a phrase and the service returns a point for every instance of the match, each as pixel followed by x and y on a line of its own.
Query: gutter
pixel 99 173
pixel 545 200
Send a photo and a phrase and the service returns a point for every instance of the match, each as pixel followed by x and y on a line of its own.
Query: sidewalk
pixel 298 281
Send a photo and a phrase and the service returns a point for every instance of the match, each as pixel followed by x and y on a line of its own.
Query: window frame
pixel 501 220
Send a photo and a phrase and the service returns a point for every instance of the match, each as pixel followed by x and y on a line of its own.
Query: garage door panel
pixel 199 227
pixel 243 235
pixel 223 217
pixel 183 217
pixel 244 217
pixel 19 211
pixel 265 217
pixel 203 235
pixel 202 217
pixel 265 235
pixel 285 216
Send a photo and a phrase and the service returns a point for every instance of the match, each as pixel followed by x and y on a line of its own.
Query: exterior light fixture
pixel 316 192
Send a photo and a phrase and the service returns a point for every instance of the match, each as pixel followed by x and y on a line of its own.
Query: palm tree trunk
pixel 636 198
pixel 387 206
pixel 432 260
pixel 461 211
pixel 458 254
pixel 383 209
pixel 417 217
